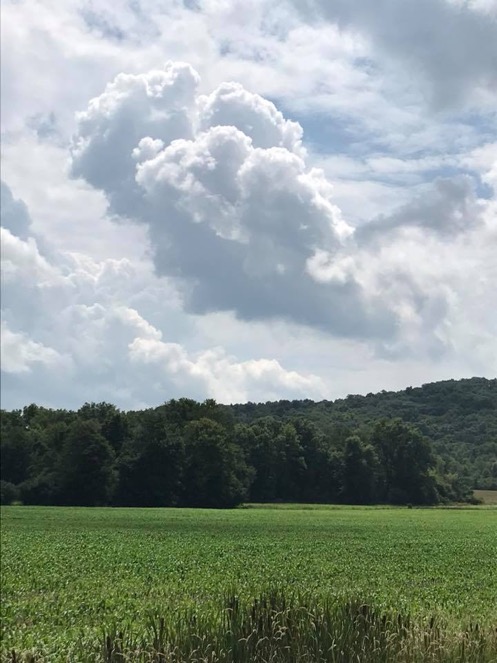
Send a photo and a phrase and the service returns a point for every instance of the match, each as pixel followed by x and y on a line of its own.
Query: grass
pixel 138 584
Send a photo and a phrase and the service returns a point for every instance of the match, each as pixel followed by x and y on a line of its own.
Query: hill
pixel 458 416
pixel 427 445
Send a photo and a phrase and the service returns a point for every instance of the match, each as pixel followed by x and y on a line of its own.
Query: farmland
pixel 71 576
pixel 486 496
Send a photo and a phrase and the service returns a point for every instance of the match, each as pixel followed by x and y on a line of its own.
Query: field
pixel 487 496
pixel 86 584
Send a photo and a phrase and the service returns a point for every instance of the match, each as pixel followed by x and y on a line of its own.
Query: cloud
pixel 259 119
pixel 13 213
pixel 199 225
pixel 453 45
pixel 157 104
pixel 433 260
pixel 243 223
pixel 20 353
pixel 448 207
pixel 71 332
pixel 233 210
pixel 21 260
pixel 222 376
pixel 30 283
pixel 483 160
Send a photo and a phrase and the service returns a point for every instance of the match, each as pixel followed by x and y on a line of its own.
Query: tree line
pixel 459 417
pixel 186 453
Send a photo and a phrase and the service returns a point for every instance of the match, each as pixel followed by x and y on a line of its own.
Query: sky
pixel 246 201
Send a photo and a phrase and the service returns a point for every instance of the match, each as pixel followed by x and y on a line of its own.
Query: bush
pixel 9 492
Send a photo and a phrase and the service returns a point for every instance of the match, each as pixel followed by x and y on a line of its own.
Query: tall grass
pixel 276 628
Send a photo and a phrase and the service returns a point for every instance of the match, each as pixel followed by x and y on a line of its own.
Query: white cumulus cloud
pixel 233 210
pixel 20 353
pixel 71 330
pixel 184 239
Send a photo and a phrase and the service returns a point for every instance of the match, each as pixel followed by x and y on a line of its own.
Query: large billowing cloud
pixel 232 208
pixel 132 107
pixel 236 214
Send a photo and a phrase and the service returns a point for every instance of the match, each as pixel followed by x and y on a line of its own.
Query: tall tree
pixel 86 474
pixel 359 472
pixel 113 423
pixel 258 442
pixel 407 461
pixel 216 474
pixel 15 452
pixel 151 464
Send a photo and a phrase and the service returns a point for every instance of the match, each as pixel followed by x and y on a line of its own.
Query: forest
pixel 420 446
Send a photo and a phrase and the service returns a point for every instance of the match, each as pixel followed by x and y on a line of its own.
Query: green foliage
pixel 459 417
pixel 150 466
pixel 73 580
pixel 360 475
pixel 406 459
pixel 9 492
pixel 215 470
pixel 86 471
pixel 421 446
pixel 15 451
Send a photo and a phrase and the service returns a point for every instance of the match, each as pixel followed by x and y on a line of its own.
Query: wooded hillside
pixel 458 416
pixel 421 446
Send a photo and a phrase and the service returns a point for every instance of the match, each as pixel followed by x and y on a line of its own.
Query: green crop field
pixel 86 584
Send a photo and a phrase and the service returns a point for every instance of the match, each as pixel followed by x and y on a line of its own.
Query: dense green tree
pixel 318 482
pixel 262 454
pixel 113 423
pixel 151 464
pixel 86 475
pixel 216 474
pixel 291 475
pixel 47 444
pixel 9 492
pixel 406 460
pixel 360 468
pixel 458 416
pixel 420 445
pixel 15 453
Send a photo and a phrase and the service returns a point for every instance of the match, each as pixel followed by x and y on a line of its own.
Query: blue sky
pixel 246 201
